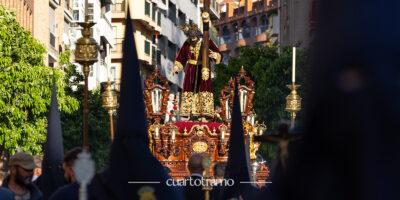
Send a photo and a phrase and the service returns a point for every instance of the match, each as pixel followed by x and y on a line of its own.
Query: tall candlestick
pixel 294 65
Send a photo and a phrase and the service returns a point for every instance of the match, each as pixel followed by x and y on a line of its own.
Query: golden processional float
pixel 174 141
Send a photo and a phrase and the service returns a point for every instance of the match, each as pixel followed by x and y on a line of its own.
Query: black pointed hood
pixel 130 157
pixel 237 167
pixel 52 173
pixel 131 112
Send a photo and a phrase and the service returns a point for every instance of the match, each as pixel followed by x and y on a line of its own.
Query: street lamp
pixel 86 55
pixel 110 104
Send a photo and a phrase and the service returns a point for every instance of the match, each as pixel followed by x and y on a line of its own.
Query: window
pixel 52 40
pixel 91 73
pixel 52 27
pixel 171 51
pixel 76 15
pixel 147 8
pixel 182 17
pixel 153 16
pixel 90 11
pixel 158 57
pixel 172 12
pixel 113 73
pixel 159 18
pixel 147 47
pixel 119 6
pixel 107 8
pixel 67 4
pixel 115 35
pixel 154 53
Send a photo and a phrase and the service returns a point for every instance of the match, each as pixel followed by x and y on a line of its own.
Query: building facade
pixel 146 18
pixel 247 23
pixel 296 19
pixel 47 20
pixel 24 11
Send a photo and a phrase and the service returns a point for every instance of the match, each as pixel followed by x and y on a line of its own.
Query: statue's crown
pixel 190 29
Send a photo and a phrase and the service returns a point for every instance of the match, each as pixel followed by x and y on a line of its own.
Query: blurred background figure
pixel 6 194
pixel 219 172
pixel 71 190
pixel 196 170
pixel 38 170
pixel 349 148
pixel 19 181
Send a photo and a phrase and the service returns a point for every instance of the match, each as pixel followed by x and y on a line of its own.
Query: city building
pixel 47 20
pixel 24 11
pixel 157 33
pixel 297 21
pixel 246 23
pixel 100 12
pixel 146 18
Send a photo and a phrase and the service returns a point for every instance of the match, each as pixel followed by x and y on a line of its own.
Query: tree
pixel 271 72
pixel 25 88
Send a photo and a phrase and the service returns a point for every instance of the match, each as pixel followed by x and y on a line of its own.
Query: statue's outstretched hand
pixel 177 68
pixel 216 56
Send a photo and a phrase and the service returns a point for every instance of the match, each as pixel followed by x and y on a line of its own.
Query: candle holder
pixel 110 104
pixel 293 102
pixel 86 55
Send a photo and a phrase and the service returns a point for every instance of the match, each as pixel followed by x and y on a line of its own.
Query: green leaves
pixel 25 88
pixel 271 72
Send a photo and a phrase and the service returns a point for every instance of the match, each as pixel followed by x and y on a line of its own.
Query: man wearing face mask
pixel 19 181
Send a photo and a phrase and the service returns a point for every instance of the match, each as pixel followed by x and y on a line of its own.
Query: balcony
pixel 240 13
pixel 106 27
pixel 116 51
pixel 172 32
pixel 118 10
pixel 246 37
pixel 147 16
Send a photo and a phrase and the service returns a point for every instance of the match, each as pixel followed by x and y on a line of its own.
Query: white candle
pixel 173 135
pixel 241 100
pixel 227 109
pixel 153 100
pixel 157 101
pixel 294 65
pixel 157 132
pixel 222 135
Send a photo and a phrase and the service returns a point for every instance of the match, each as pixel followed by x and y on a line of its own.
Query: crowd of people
pixel 21 183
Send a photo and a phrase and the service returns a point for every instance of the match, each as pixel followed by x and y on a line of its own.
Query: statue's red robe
pixel 197 96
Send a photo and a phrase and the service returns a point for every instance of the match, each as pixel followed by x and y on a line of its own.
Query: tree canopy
pixel 25 88
pixel 271 71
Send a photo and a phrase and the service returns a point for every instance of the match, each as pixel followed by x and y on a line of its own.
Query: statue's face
pixel 194 39
pixel 194 36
